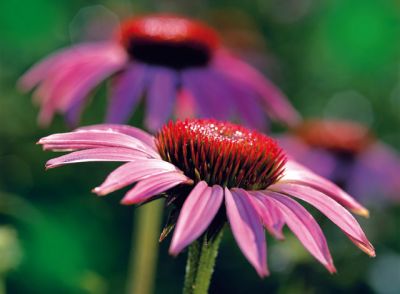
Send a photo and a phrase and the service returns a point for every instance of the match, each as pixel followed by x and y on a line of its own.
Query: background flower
pixel 348 154
pixel 176 62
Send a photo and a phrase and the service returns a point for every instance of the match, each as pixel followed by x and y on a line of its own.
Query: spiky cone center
pixel 337 136
pixel 221 153
pixel 168 40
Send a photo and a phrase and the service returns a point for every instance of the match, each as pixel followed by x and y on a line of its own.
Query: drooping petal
pixel 275 101
pixel 150 187
pixel 161 97
pixel 74 99
pixel 68 77
pixel 96 154
pixel 271 217
pixel 126 92
pixel 40 70
pixel 132 172
pixel 247 228
pixel 304 226
pixel 185 106
pixel 296 173
pixel 333 210
pixel 211 101
pixel 91 71
pixel 124 129
pixel 196 215
pixel 243 102
pixel 91 139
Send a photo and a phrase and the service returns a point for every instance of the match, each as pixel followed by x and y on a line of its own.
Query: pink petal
pixel 161 97
pixel 271 217
pixel 86 139
pixel 275 101
pixel 247 228
pixel 96 154
pixel 196 215
pixel 132 172
pixel 68 77
pixel 41 69
pixel 208 95
pixel 304 226
pixel 185 105
pixel 298 174
pixel 150 187
pixel 333 210
pixel 123 129
pixel 126 91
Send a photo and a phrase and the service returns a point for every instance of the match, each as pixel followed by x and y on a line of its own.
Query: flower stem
pixel 144 248
pixel 200 265
pixel 3 285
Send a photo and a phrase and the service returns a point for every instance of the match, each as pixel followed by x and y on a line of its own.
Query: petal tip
pixel 362 211
pixel 263 273
pixel 174 250
pixel 332 269
pixel 123 201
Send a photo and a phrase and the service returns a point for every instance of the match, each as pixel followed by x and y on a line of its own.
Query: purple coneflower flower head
pixel 348 154
pixel 177 63
pixel 211 172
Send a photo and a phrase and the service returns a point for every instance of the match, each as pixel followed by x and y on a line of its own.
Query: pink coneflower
pixel 171 60
pixel 348 154
pixel 210 170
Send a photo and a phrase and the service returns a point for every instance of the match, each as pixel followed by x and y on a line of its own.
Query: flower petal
pixel 304 226
pixel 90 139
pixel 296 173
pixel 196 215
pixel 96 154
pixel 150 187
pixel 247 228
pixel 275 101
pixel 271 217
pixel 126 92
pixel 333 210
pixel 161 97
pixel 123 129
pixel 209 97
pixel 67 77
pixel 132 172
pixel 40 70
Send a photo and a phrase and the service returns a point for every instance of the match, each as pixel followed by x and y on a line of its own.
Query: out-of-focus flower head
pixel 347 153
pixel 211 172
pixel 177 63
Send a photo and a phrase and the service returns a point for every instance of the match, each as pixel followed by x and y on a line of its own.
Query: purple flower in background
pixel 209 172
pixel 348 154
pixel 172 61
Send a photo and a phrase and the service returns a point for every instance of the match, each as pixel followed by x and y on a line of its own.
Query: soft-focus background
pixel 332 58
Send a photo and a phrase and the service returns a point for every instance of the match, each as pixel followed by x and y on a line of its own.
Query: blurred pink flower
pixel 210 172
pixel 173 61
pixel 348 154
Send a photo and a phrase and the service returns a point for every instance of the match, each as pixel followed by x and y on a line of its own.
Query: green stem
pixel 144 248
pixel 200 265
pixel 2 285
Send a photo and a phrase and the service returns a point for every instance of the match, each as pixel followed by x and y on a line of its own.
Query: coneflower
pixel 213 172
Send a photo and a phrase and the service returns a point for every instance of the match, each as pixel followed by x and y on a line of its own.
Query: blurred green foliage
pixel 73 242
